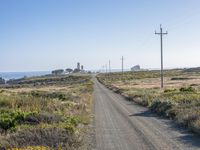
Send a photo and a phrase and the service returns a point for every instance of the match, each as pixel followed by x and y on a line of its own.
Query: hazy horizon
pixel 96 70
pixel 46 35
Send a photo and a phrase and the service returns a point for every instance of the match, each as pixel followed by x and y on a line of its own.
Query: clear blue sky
pixel 50 34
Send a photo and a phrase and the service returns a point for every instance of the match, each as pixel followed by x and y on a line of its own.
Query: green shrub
pixel 6 122
pixel 187 89
pixel 169 90
pixel 172 113
pixel 180 78
pixel 73 120
pixel 70 128
pixel 161 107
pixel 71 124
pixel 10 120
pixel 51 95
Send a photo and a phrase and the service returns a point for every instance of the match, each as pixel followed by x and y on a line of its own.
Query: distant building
pixel 78 66
pixel 76 70
pixel 136 68
pixel 82 67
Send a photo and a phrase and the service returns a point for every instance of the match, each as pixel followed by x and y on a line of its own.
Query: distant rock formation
pixel 136 68
pixel 2 81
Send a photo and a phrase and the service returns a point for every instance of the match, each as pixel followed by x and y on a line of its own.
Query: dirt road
pixel 123 125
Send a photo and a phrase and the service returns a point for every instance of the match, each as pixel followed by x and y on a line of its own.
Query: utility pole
pixel 122 64
pixel 161 46
pixel 109 67
pixel 106 68
pixel 103 69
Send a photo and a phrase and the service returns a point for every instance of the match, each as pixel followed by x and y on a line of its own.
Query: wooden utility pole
pixel 161 46
pixel 122 64
pixel 109 67
pixel 103 69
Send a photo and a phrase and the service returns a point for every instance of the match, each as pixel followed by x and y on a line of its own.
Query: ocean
pixel 18 75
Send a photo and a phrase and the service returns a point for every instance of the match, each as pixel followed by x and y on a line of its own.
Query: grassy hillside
pixel 51 111
pixel 179 100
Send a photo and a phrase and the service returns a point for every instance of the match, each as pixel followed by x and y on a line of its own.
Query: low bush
pixel 169 90
pixel 53 137
pixel 187 89
pixel 43 117
pixel 73 120
pixel 161 107
pixel 180 78
pixel 44 94
pixel 9 120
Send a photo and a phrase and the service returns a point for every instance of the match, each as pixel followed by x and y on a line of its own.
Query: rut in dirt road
pixel 123 125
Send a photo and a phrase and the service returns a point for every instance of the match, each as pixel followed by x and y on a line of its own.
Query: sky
pixel 42 35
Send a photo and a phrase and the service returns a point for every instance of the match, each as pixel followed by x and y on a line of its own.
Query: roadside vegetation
pixel 49 112
pixel 179 100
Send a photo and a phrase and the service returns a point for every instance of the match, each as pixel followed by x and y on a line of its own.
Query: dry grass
pixel 55 113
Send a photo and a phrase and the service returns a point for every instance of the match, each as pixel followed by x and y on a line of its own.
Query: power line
pixel 161 46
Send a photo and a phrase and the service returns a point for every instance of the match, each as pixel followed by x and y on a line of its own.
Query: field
pixel 50 111
pixel 178 100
